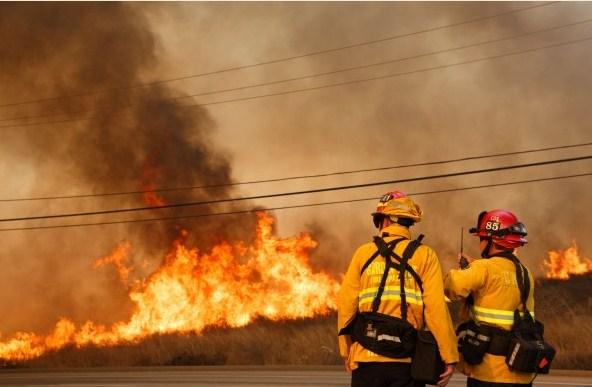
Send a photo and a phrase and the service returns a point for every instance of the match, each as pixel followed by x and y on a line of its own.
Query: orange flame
pixel 151 197
pixel 190 291
pixel 150 175
pixel 563 263
pixel 118 257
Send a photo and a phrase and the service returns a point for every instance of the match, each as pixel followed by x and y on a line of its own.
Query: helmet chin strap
pixel 486 251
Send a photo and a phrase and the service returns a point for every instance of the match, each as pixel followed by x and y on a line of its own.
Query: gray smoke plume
pixel 115 137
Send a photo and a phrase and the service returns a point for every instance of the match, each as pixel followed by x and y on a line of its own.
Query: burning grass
pixel 564 306
pixel 261 304
pixel 191 291
pixel 264 342
pixel 561 264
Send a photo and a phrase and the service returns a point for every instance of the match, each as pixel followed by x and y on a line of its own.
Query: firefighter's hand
pixel 445 377
pixel 347 367
pixel 464 260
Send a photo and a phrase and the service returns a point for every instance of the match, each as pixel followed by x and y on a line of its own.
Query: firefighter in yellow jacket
pixel 491 285
pixel 362 284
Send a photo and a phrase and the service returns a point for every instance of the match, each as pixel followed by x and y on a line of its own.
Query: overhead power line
pixel 252 210
pixel 284 59
pixel 337 71
pixel 344 83
pixel 308 76
pixel 78 119
pixel 338 173
pixel 395 75
pixel 341 83
pixel 43 115
pixel 283 194
pixel 391 61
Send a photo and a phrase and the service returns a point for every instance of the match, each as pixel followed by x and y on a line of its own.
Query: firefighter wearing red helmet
pixel 501 228
pixel 491 285
pixel 393 284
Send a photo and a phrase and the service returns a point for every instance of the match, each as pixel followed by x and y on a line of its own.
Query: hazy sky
pixel 537 99
pixel 136 136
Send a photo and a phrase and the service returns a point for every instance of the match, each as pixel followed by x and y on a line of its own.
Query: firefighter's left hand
pixel 467 260
pixel 445 377
pixel 347 366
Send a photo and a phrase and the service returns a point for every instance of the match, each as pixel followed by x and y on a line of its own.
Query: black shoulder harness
pixel 386 250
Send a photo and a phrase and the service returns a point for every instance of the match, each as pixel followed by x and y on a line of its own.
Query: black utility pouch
pixel 474 341
pixel 548 352
pixel 528 352
pixel 427 365
pixel 385 335
pixel 530 356
pixel 544 362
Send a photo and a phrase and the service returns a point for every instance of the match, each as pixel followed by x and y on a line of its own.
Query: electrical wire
pixel 342 83
pixel 285 59
pixel 46 123
pixel 253 210
pixel 43 115
pixel 351 68
pixel 391 61
pixel 283 194
pixel 421 164
pixel 394 75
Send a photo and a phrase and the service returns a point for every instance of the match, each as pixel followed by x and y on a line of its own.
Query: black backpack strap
pixel 402 267
pixel 409 269
pixel 413 245
pixel 388 246
pixel 522 277
pixel 387 249
pixel 525 288
pixel 407 254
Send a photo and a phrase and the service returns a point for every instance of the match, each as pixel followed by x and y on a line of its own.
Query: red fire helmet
pixel 502 227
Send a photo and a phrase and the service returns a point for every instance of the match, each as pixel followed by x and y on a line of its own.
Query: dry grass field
pixel 296 342
pixel 564 306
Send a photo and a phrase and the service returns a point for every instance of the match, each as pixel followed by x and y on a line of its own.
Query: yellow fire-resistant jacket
pixel 492 282
pixel 357 293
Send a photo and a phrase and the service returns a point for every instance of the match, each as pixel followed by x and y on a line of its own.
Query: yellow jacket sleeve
pixel 459 283
pixel 347 305
pixel 436 311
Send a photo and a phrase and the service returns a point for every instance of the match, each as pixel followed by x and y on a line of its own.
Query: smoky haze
pixel 130 139
pixel 533 100
pixel 140 138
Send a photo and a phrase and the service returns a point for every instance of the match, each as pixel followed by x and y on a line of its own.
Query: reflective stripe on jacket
pixel 498 317
pixel 496 295
pixel 357 293
pixel 412 295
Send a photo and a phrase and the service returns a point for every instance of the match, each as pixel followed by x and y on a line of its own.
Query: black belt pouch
pixel 385 335
pixel 473 341
pixel 427 365
pixel 530 355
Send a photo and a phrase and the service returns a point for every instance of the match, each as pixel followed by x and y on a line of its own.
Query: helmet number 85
pixel 492 226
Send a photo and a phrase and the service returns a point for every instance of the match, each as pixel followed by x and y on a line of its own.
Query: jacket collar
pixel 396 230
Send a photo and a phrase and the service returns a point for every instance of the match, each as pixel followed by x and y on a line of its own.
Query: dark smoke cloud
pixel 131 138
